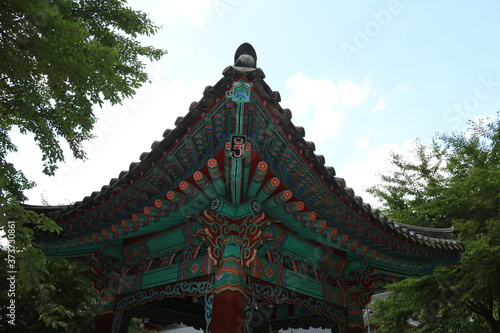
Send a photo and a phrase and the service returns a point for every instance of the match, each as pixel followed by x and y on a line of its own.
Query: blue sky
pixel 362 77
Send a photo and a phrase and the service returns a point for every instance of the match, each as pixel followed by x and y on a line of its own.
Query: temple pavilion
pixel 232 223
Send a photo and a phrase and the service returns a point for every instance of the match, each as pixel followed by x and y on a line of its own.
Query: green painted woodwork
pixel 240 93
pixel 235 175
pixel 283 159
pixel 74 251
pixel 113 251
pixel 303 284
pixel 298 248
pixel 256 182
pixel 237 201
pixel 232 249
pixel 160 276
pixel 251 207
pixel 216 177
pixel 170 240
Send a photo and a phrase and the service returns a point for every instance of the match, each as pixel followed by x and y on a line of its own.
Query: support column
pixel 355 317
pixel 228 308
pixel 359 292
pixel 355 308
pixel 106 281
pixel 103 323
pixel 232 246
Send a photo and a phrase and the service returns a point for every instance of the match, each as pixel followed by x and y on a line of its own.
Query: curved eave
pixel 437 239
pixel 433 238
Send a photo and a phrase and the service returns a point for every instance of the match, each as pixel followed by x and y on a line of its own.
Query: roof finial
pixel 245 56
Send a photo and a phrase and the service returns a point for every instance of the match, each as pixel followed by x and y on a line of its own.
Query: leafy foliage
pixel 64 299
pixel 59 59
pixel 455 181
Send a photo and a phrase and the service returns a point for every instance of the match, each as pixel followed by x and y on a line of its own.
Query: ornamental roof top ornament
pixel 245 56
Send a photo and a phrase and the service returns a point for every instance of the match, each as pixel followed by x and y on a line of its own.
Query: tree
pixel 59 59
pixel 453 182
pixel 76 312
pixel 71 307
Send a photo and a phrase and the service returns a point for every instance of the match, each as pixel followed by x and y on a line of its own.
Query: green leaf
pixel 453 182
pixel 59 60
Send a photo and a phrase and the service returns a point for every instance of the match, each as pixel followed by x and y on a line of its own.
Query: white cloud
pixel 319 105
pixel 354 94
pixel 364 141
pixel 364 172
pixel 404 86
pixel 193 11
pixel 123 132
pixel 381 104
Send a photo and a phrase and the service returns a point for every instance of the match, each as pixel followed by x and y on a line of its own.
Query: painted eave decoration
pixel 239 123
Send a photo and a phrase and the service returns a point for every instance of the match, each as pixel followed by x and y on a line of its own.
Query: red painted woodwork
pixel 103 323
pixel 228 313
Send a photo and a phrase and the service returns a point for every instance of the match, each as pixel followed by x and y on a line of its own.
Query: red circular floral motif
pixel 146 210
pixel 183 185
pixel 170 195
pixel 300 205
pixel 275 182
pixel 312 215
pixel 212 163
pixel 323 224
pixel 197 175
pixel 262 166
pixel 123 223
pixel 287 194
pixel 158 203
pixel 134 217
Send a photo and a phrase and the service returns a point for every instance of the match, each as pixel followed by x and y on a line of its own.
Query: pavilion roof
pixel 134 179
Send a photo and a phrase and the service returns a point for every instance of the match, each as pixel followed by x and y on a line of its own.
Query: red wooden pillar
pixel 228 313
pixel 103 323
pixel 232 246
pixel 228 307
pixel 355 320
pixel 361 288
